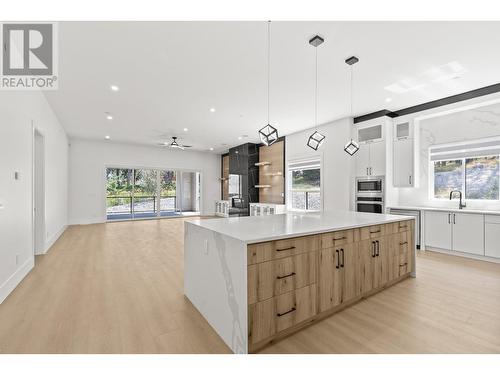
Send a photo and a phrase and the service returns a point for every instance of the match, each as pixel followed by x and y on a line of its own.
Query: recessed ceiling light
pixel 109 117
pixel 388 100
pixel 212 109
pixel 211 148
pixel 185 129
pixel 240 138
pixel 107 137
pixel 114 88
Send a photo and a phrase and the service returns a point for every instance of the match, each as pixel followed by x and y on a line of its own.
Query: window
pixel 304 185
pixel 471 167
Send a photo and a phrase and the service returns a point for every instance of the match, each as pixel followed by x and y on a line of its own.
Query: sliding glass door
pixel 168 193
pixel 145 191
pixel 119 187
pixel 149 193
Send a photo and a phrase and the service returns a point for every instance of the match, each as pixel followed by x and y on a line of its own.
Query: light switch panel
pixel 16 175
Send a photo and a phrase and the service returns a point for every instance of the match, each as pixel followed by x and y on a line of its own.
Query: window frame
pixel 303 159
pixel 464 183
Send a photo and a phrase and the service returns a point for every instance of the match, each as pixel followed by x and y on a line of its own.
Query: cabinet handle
pixel 367 173
pixel 403 243
pixel 286 312
pixel 378 247
pixel 286 248
pixel 370 171
pixel 338 259
pixel 409 179
pixel 284 277
pixel 373 249
pixel 404 264
pixel 454 222
pixel 449 218
pixel 377 231
pixel 338 239
pixel 342 264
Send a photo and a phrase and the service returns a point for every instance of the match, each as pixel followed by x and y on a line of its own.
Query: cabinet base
pixel 463 255
pixel 254 348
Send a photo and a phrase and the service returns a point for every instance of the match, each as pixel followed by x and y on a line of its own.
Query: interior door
pixel 350 262
pixel 468 233
pixel 438 229
pixel 330 286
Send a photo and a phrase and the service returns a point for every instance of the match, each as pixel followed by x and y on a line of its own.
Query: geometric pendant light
pixel 316 139
pixel 268 134
pixel 351 147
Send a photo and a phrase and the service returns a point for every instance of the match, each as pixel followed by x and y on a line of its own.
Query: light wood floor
pixel 118 288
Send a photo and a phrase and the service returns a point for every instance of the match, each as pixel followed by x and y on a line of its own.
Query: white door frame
pixel 38 222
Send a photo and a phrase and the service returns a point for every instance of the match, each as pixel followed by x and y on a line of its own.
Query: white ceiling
pixel 171 73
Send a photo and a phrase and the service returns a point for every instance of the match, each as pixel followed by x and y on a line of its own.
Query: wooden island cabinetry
pixel 293 282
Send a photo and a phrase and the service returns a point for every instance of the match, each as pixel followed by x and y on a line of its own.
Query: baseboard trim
pixel 15 279
pixel 53 239
pixel 463 255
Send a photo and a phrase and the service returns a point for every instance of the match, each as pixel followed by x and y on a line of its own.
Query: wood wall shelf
pixel 262 186
pixel 262 163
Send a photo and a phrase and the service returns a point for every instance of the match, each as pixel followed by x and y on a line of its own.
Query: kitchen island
pixel 258 279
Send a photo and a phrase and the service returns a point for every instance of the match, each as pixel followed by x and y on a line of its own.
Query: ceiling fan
pixel 174 144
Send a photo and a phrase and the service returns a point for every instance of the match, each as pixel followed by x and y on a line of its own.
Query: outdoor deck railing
pixel 131 201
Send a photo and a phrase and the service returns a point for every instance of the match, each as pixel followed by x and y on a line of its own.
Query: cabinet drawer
pixel 271 316
pixel 269 279
pixel 374 231
pixel 404 253
pixel 266 251
pixel 339 238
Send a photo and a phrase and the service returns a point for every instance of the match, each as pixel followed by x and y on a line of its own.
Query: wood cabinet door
pixel 392 245
pixel 381 263
pixel 366 265
pixel 330 279
pixel 350 269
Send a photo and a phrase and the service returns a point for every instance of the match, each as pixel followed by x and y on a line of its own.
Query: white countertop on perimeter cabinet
pixel 253 229
pixel 446 209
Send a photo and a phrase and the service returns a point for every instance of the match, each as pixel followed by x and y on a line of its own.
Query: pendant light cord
pixel 268 66
pixel 316 93
pixel 352 114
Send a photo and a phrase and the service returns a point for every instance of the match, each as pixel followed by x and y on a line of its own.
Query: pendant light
pixel 316 139
pixel 351 147
pixel 268 134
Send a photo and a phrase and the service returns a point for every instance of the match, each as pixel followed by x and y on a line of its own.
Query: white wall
pixel 18 110
pixel 473 123
pixel 337 165
pixel 88 160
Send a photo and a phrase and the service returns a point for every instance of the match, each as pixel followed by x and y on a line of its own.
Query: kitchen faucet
pixel 460 205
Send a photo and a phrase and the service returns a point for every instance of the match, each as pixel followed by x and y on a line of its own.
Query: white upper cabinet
pixel 370 133
pixel 404 144
pixel 403 163
pixel 371 157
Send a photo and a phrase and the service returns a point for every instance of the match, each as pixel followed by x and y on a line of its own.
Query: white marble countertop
pixel 253 229
pixel 447 209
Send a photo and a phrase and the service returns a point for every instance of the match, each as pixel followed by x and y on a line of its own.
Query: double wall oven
pixel 370 194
